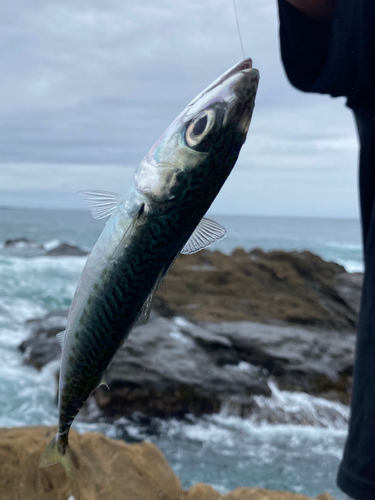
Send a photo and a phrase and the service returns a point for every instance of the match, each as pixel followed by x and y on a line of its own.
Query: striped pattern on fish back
pixel 116 301
pixel 112 309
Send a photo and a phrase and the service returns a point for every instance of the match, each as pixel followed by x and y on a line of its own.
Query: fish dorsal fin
pixel 206 233
pixel 146 308
pixel 101 203
pixel 61 338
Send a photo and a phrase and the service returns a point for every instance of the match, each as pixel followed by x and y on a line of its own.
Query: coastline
pixel 293 347
pixel 295 327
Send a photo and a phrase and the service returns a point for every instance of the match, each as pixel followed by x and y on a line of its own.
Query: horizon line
pixel 337 217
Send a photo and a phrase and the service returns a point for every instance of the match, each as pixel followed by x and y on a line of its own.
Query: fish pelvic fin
pixel 58 452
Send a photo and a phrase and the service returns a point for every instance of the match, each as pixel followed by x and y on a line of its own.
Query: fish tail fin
pixel 58 452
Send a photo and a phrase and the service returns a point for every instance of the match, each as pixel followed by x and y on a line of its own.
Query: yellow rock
pixel 106 470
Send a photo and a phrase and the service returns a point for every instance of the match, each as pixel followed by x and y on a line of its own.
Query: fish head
pixel 214 125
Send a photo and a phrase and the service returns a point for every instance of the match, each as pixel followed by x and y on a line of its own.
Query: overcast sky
pixel 87 87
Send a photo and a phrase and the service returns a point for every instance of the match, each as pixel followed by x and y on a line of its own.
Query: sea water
pixel 223 450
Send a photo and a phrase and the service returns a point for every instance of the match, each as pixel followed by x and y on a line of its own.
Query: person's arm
pixel 320 10
pixel 304 40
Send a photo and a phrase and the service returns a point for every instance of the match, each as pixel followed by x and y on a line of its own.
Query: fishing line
pixel 238 28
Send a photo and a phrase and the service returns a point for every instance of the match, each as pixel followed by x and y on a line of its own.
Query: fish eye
pixel 199 127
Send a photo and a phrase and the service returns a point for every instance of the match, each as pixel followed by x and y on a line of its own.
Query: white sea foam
pixel 352 266
pixel 182 322
pixel 19 309
pixel 230 451
pixel 26 395
pixel 299 408
pixel 344 246
pixel 29 287
pixel 41 282
pixel 184 339
pixel 43 263
pixel 49 245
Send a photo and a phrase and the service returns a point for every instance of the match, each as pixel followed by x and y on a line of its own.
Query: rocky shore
pixel 293 288
pixel 106 470
pixel 222 328
pixel 32 248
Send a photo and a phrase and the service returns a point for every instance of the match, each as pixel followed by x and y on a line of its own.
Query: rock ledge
pixel 107 470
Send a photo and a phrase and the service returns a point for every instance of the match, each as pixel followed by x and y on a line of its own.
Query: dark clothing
pixel 339 59
pixel 336 59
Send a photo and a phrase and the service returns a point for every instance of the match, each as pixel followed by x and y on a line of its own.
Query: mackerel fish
pixel 162 216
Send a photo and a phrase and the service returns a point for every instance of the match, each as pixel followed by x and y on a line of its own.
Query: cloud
pixel 88 87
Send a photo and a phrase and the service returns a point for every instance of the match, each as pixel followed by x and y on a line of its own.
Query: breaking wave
pixel 293 408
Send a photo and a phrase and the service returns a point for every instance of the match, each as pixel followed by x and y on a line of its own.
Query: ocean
pixel 223 450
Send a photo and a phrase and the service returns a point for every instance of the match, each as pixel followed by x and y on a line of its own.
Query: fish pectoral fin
pixel 61 338
pixel 101 203
pixel 146 308
pixel 205 234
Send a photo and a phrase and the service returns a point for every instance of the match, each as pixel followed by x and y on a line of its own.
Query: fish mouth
pixel 246 64
pixel 245 80
pixel 245 87
pixel 243 90
pixel 244 67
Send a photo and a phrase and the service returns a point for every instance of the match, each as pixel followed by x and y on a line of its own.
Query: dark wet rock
pixel 162 371
pixel 34 248
pixel 159 371
pixel 175 367
pixel 268 287
pixel 316 361
pixel 23 244
pixel 64 249
pixel 230 324
pixel 48 325
pixel 39 351
pixel 41 346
